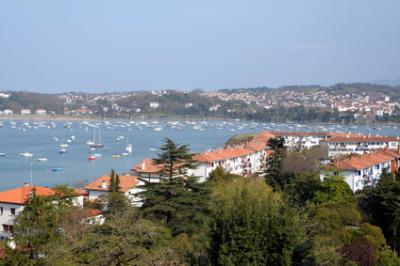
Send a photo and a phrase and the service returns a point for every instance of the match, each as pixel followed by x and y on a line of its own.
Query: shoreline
pixel 68 118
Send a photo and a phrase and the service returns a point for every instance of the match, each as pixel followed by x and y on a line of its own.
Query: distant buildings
pixel 154 105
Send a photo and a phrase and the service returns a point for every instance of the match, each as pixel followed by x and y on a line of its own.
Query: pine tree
pixel 175 159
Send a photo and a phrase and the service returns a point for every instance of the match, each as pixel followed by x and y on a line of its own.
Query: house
pixel 12 203
pixel 245 160
pixel 154 105
pixel 129 186
pixel 148 171
pixel 25 111
pixel 359 144
pixel 41 112
pixel 365 169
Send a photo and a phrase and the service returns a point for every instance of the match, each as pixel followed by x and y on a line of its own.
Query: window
pixel 7 228
pixel 12 211
pixel 1 210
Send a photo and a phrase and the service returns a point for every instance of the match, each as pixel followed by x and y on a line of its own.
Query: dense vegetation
pixel 286 216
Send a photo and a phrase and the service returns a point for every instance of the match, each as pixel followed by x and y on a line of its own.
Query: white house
pixel 7 112
pixel 365 169
pixel 129 186
pixel 41 112
pixel 25 111
pixel 154 105
pixel 359 144
pixel 12 203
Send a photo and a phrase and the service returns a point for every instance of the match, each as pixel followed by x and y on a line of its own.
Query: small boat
pixel 128 148
pixel 96 145
pixel 56 169
pixel 92 158
pixel 26 154
pixel 64 145
pixel 125 154
pixel 63 150
pixel 54 138
pixel 3 155
pixel 116 156
pixel 41 159
pixel 90 142
pixel 97 155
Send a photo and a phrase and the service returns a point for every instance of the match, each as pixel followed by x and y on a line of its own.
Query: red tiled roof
pixel 359 162
pixel 81 192
pixel 21 194
pixel 223 154
pixel 92 212
pixel 126 183
pixel 147 166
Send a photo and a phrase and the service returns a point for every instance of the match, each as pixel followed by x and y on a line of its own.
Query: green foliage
pixel 381 206
pixel 219 175
pixel 180 203
pixel 36 228
pixel 114 182
pixel 252 226
pixel 125 239
pixel 274 173
pixel 117 203
pixel 174 159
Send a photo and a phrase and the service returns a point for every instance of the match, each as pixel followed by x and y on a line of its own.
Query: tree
pixel 381 205
pixel 114 182
pixel 179 203
pixel 274 172
pixel 124 239
pixel 252 226
pixel 174 159
pixel 36 228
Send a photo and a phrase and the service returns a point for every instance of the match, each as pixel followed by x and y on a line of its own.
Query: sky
pixel 95 45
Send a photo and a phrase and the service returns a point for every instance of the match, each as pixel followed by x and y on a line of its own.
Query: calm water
pixel 37 138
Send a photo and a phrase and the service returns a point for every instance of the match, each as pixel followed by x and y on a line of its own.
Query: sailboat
pixel 128 147
pixel 98 144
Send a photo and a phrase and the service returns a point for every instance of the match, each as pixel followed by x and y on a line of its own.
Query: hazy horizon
pixel 99 46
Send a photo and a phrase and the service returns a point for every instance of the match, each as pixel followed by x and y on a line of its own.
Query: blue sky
pixel 94 45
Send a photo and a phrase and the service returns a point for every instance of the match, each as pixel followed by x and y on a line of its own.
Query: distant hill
pixel 388 82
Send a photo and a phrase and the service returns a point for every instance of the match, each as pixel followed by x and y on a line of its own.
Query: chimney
pixel 143 165
pixel 103 184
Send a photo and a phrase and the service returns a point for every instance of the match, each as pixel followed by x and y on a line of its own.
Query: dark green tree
pixel 114 182
pixel 174 158
pixel 274 171
pixel 252 226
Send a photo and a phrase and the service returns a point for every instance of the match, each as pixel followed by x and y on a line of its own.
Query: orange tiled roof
pixel 223 154
pixel 81 192
pixel 92 212
pixel 21 194
pixel 147 166
pixel 126 183
pixel 359 162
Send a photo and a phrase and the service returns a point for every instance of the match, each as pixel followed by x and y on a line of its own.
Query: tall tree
pixel 252 226
pixel 274 172
pixel 114 182
pixel 175 159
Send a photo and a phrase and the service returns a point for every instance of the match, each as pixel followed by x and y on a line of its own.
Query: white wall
pixel 7 218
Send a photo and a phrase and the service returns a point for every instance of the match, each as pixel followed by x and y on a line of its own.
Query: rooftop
pixel 126 183
pixel 21 194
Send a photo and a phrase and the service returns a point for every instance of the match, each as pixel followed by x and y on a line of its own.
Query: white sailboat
pixel 98 144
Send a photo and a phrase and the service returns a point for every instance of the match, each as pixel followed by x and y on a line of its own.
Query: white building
pixel 41 112
pixel 129 186
pixel 359 144
pixel 25 111
pixel 12 203
pixel 302 140
pixel 154 105
pixel 366 169
pixel 7 112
